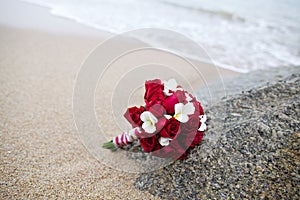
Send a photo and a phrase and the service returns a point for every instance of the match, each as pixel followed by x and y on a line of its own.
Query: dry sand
pixel 41 154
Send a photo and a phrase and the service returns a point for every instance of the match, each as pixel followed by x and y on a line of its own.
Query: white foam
pixel 238 35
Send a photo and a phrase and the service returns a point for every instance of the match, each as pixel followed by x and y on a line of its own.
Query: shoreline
pixel 35 17
pixel 233 44
pixel 38 19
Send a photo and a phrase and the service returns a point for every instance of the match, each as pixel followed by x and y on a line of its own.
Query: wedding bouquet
pixel 170 124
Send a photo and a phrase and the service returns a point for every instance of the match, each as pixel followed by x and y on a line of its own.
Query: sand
pixel 41 153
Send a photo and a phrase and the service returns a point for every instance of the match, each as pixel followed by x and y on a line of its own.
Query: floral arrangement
pixel 170 124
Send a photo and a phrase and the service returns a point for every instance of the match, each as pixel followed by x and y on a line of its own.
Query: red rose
pixel 150 144
pixel 133 115
pixel 173 150
pixel 201 111
pixel 157 98
pixel 188 94
pixel 198 107
pixel 181 96
pixel 192 125
pixel 154 93
pixel 157 110
pixel 190 140
pixel 178 149
pixel 169 104
pixel 163 153
pixel 184 155
pixel 160 124
pixel 197 139
pixel 171 128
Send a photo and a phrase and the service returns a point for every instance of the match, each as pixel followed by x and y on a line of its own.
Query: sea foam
pixel 239 35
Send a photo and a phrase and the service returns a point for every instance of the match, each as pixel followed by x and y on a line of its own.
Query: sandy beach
pixel 250 150
pixel 41 154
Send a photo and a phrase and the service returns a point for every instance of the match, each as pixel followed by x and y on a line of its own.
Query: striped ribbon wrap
pixel 126 137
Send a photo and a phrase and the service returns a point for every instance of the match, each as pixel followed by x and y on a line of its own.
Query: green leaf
pixel 109 145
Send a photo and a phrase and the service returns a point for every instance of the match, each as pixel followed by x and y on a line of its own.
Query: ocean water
pixel 239 35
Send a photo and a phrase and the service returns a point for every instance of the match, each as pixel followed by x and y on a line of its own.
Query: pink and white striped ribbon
pixel 126 137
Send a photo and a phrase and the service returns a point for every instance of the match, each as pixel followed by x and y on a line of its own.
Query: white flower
pixel 168 116
pixel 164 141
pixel 170 85
pixel 203 125
pixel 188 97
pixel 182 111
pixel 149 122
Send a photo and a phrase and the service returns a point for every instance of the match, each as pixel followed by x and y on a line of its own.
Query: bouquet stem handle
pixel 123 139
pixel 109 145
